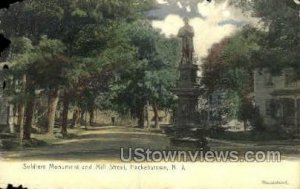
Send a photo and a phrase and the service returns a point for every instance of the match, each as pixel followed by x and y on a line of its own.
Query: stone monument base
pixel 187 137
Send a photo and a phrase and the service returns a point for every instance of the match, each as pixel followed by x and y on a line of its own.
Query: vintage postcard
pixel 144 94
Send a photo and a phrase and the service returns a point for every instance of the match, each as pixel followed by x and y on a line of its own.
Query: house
pixel 278 98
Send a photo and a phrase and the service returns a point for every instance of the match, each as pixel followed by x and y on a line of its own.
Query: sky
pixel 211 21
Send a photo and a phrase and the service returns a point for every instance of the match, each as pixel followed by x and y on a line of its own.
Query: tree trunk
pixel 82 113
pixel 21 109
pixel 21 115
pixel 245 125
pixel 85 121
pixel 92 115
pixel 156 116
pixel 76 117
pixel 11 118
pixel 148 115
pixel 141 116
pixel 132 117
pixel 66 103
pixel 15 113
pixel 29 116
pixel 53 98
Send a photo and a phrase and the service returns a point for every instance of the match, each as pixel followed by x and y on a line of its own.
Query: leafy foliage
pixel 229 69
pixel 151 74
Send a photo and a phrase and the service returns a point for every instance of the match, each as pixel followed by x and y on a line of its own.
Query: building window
pixel 268 79
pixel 290 79
pixel 289 107
pixel 270 107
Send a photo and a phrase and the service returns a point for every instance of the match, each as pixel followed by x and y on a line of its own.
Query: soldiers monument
pixel 185 130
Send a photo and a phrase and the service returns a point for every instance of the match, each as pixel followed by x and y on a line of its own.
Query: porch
pixel 285 109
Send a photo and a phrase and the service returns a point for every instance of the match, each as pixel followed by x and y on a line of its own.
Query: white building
pixel 278 98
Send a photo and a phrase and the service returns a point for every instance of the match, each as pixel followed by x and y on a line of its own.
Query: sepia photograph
pixel 143 94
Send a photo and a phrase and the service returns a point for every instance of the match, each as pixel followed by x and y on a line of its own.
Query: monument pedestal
pixel 186 131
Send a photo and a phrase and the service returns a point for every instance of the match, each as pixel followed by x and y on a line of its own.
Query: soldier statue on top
pixel 187 34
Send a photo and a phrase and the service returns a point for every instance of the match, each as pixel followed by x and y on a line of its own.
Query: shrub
pixel 8 144
pixel 34 143
pixel 216 131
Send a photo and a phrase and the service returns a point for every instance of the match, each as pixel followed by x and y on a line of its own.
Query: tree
pixel 282 41
pixel 274 46
pixel 23 54
pixel 81 26
pixel 34 63
pixel 280 44
pixel 151 74
pixel 229 68
pixel 3 41
pixel 49 73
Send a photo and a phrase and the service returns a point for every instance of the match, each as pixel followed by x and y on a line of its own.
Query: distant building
pixel 278 98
